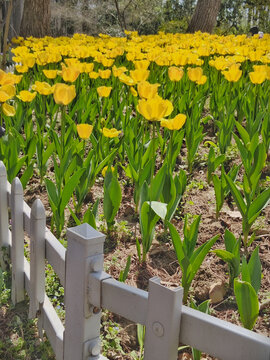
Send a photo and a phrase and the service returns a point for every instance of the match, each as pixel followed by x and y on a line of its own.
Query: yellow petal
pixel 84 130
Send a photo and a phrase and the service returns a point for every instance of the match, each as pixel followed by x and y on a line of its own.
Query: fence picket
pixel 17 249
pixel 163 318
pixel 82 330
pixel 37 257
pixel 5 240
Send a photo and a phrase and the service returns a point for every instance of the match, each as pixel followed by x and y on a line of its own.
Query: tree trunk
pixel 16 18
pixel 205 16
pixel 36 18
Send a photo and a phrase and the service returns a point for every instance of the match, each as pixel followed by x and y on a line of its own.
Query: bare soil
pixel 199 199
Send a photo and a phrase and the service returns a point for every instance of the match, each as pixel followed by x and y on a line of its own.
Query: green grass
pixel 19 339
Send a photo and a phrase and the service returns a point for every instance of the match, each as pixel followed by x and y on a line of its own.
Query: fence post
pixel 17 235
pixel 37 258
pixel 5 240
pixel 162 322
pixel 82 322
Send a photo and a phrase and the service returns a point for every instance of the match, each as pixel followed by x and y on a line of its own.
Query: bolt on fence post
pixel 5 240
pixel 17 235
pixel 162 322
pixel 37 257
pixel 82 322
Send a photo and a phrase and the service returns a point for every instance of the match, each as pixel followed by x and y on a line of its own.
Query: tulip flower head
pixel 174 124
pixel 139 75
pixel 50 74
pixel 175 73
pixel 8 110
pixel 147 90
pixel 84 131
pixel 233 74
pixel 155 109
pixel 26 96
pixel 63 94
pixel 196 75
pixel 104 91
pixel 110 133
pixel 257 77
pixel 43 88
pixel 104 170
pixel 70 73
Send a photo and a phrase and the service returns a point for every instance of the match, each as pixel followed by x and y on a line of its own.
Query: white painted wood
pixel 124 300
pixel 17 249
pixel 84 244
pixel 53 327
pixel 163 317
pixel 5 238
pixel 220 338
pixel 37 257
pixel 204 332
pixel 26 217
pixel 56 255
pixel 27 276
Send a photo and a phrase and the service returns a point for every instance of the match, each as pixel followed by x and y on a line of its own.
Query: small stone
pixel 185 356
pixel 217 292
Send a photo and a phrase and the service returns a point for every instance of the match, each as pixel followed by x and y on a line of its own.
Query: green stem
pixel 63 125
pixel 153 158
pixel 170 151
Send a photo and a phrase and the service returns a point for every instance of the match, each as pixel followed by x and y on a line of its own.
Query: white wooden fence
pixel 88 289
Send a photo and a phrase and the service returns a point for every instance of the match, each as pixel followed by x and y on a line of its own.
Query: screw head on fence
pixel 158 329
pixel 95 348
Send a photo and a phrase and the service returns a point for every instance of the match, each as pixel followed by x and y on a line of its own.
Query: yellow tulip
pixel 174 124
pixel 104 74
pixel 180 58
pixel 195 74
pixel 133 91
pixel 9 89
pixel 50 74
pixel 233 74
pixel 110 133
pixel 84 130
pixel 139 75
pixel 126 80
pixel 93 75
pixel 88 67
pixel 4 96
pixel 43 88
pixel 104 91
pixel 63 94
pixel 155 109
pixel 26 96
pixel 202 80
pixel 70 73
pixel 107 62
pixel 257 77
pixel 21 68
pixel 7 92
pixel 141 64
pixel 175 73
pixel 28 60
pixel 105 170
pixel 147 90
pixel 8 110
pixel 118 71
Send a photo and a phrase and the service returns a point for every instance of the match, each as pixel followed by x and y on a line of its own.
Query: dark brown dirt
pixel 199 199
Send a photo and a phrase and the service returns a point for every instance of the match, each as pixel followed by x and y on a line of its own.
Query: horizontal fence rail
pixel 88 289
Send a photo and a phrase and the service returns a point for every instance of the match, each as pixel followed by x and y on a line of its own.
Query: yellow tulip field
pixel 162 143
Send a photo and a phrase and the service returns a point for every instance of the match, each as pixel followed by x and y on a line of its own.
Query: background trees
pixel 36 18
pixel 65 17
pixel 205 16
